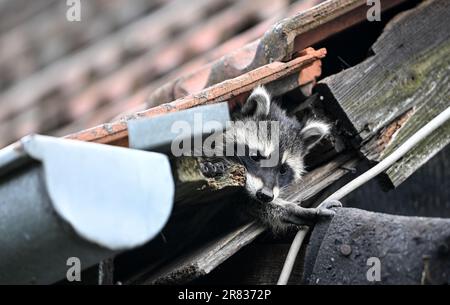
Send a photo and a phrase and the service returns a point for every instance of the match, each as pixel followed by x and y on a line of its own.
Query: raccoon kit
pixel 271 145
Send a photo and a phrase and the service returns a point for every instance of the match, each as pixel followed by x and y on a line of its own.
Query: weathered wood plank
pixel 106 272
pixel 205 259
pixel 259 263
pixel 193 188
pixel 392 94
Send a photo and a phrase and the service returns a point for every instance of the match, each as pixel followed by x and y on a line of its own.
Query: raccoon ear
pixel 313 132
pixel 258 103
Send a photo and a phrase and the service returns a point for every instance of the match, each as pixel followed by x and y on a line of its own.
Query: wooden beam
pixel 392 94
pixel 193 188
pixel 192 266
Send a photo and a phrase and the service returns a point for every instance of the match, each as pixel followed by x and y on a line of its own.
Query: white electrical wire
pixel 421 134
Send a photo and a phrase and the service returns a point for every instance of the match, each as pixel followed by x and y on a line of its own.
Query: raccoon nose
pixel 264 195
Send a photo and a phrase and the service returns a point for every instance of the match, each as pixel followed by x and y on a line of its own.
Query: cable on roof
pixel 420 135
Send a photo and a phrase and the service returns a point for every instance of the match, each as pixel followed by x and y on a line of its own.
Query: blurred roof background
pixel 58 77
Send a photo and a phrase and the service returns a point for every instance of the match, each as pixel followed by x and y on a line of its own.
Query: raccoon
pixel 285 149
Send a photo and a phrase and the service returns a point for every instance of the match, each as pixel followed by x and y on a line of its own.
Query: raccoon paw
pixel 298 215
pixel 328 208
pixel 212 170
pixel 294 214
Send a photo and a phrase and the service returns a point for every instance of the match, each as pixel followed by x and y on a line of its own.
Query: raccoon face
pixel 285 147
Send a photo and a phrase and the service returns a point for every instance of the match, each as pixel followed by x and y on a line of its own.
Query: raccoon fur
pixel 286 150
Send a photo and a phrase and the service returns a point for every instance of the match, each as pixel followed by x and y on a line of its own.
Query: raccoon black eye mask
pixel 285 149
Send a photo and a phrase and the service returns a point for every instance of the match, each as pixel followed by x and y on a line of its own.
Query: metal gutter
pixel 158 133
pixel 69 198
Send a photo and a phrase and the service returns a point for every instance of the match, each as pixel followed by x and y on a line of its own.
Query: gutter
pixel 69 198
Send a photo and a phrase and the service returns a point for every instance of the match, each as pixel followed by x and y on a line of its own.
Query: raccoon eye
pixel 283 169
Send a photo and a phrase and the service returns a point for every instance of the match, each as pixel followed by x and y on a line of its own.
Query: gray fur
pixel 295 141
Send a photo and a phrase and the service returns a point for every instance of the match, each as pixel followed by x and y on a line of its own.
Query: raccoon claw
pixel 308 216
pixel 328 208
pixel 298 215
pixel 212 170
